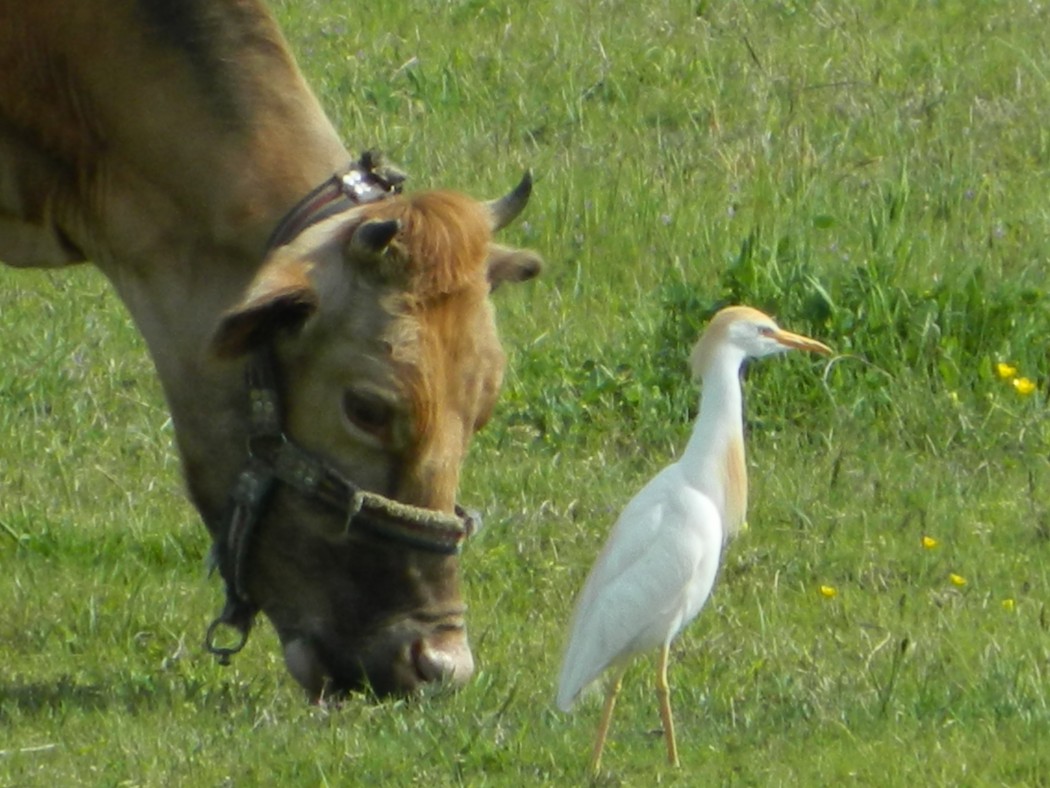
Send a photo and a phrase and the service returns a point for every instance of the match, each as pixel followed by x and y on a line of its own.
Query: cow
pixel 325 342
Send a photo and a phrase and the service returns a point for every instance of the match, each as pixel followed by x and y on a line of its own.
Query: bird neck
pixel 713 460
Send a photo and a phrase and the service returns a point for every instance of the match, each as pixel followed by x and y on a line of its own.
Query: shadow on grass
pixel 132 694
pixel 43 696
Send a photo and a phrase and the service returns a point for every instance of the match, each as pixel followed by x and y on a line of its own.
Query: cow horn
pixel 372 237
pixel 506 209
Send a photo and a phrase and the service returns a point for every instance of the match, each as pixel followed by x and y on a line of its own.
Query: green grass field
pixel 875 174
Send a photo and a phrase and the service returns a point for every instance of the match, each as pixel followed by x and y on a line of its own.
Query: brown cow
pixel 164 141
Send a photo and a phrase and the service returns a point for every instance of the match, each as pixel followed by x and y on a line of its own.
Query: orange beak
pixel 799 342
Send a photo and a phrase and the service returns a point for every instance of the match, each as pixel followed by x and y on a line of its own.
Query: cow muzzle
pixel 397 663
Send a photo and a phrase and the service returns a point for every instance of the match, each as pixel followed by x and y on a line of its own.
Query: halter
pixel 273 458
pixel 369 179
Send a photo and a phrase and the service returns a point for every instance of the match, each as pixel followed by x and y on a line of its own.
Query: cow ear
pixel 372 237
pixel 280 299
pixel 369 246
pixel 512 265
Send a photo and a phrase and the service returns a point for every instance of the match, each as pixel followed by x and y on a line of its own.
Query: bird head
pixel 737 333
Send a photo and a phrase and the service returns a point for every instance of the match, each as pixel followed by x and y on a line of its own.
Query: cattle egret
pixel 659 564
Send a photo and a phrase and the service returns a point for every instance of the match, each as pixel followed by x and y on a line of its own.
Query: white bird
pixel 660 561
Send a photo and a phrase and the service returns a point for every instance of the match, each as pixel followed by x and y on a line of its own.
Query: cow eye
pixel 369 414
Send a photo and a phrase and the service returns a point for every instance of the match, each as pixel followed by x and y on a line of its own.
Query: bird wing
pixel 652 577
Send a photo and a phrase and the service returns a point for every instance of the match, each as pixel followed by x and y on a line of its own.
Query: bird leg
pixel 613 690
pixel 664 691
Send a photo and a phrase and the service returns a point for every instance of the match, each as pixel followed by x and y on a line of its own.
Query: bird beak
pixel 799 342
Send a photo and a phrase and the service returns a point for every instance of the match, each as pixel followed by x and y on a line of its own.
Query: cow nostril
pixel 449 661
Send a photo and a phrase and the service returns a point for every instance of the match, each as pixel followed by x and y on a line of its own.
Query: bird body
pixel 650 580
pixel 660 561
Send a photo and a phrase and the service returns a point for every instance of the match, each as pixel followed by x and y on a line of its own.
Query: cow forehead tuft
pixel 445 236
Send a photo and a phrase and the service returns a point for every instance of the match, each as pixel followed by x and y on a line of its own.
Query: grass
pixel 873 173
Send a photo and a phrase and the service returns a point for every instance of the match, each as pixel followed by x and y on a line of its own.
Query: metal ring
pixel 223 653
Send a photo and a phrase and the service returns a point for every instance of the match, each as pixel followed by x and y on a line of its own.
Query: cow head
pixel 389 361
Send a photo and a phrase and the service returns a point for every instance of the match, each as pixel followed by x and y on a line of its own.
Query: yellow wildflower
pixel 957 580
pixel 1005 371
pixel 1008 604
pixel 829 592
pixel 929 542
pixel 1023 386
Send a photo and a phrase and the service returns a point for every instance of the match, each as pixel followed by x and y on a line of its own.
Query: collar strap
pixel 369 179
pixel 424 529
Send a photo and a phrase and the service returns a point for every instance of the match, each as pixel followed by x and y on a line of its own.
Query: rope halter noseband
pixel 273 458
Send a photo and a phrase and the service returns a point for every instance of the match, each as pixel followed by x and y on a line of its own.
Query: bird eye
pixel 369 414
pixel 766 331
